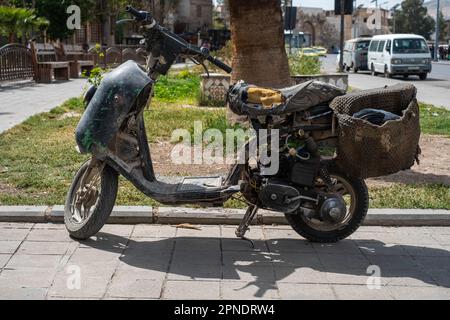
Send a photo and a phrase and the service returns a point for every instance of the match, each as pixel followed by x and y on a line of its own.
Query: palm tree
pixel 259 54
pixel 19 22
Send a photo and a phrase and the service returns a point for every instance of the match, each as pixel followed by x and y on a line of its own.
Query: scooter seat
pixel 253 101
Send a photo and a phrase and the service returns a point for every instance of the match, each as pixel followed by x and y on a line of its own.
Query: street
pixel 435 90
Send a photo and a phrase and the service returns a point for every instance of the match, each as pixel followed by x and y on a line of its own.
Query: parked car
pixel 310 52
pixel 355 54
pixel 321 51
pixel 399 54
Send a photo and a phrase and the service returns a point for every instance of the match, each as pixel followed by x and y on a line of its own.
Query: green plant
pixel 304 65
pixel 96 76
pixel 182 87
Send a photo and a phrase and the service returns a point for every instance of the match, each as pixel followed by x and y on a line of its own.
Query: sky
pixel 329 4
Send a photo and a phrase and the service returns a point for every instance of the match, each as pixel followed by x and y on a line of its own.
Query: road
pixel 435 90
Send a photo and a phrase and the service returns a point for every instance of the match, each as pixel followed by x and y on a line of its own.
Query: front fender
pixel 110 105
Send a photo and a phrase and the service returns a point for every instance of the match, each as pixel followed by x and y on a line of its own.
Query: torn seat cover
pixel 253 101
pixel 110 105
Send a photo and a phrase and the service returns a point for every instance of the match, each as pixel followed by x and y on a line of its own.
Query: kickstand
pixel 244 225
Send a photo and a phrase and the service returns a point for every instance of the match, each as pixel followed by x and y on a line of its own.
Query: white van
pixel 399 54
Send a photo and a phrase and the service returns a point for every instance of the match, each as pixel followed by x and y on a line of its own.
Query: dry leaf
pixel 187 226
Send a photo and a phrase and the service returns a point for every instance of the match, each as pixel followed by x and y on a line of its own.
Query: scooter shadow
pixel 280 260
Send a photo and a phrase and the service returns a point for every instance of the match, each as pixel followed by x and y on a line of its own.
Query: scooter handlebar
pixel 139 15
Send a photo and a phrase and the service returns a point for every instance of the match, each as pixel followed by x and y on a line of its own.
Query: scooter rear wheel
pixel 89 206
pixel 356 195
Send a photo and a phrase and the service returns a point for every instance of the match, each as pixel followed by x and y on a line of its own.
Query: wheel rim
pixel 86 197
pixel 344 188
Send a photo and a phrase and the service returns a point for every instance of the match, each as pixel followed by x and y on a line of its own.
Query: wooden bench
pixel 79 60
pixel 46 60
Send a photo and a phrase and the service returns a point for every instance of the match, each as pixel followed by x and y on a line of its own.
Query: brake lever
pixel 123 21
pixel 206 69
pixel 201 63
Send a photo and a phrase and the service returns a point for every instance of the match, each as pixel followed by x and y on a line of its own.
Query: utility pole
pixel 436 45
pixel 341 56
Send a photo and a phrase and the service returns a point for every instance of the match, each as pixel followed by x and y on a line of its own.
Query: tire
pixel 423 76
pixel 103 208
pixel 355 69
pixel 372 69
pixel 386 73
pixel 298 223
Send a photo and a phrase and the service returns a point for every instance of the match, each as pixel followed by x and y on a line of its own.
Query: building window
pixel 199 11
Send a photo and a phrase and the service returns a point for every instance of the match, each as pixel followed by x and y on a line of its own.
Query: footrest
pixel 199 183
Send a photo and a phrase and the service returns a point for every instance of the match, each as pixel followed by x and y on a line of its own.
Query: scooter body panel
pixel 110 105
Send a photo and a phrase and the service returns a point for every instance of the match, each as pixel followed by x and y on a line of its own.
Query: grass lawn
pixel 41 159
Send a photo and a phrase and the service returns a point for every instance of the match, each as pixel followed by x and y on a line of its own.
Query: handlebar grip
pixel 140 15
pixel 220 64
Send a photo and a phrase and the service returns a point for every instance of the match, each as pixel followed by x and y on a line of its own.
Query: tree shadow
pixel 197 258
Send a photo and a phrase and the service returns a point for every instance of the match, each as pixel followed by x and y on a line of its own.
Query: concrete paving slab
pixel 241 290
pixel 192 290
pixel 4 258
pixel 306 291
pixel 249 273
pixel 357 292
pixel 16 293
pixel 284 274
pixel 26 278
pixel 290 245
pixel 9 247
pixel 34 262
pixel 13 234
pixel 199 272
pixel 419 293
pixel 48 248
pixel 49 235
pixel 154 231
pixel 129 286
pixel 235 244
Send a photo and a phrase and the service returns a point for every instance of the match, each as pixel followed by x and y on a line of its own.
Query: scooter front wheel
pixel 90 200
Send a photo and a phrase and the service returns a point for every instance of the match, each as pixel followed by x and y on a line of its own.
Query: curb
pixel 215 216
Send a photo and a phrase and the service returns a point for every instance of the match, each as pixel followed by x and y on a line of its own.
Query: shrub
pixel 304 65
pixel 182 87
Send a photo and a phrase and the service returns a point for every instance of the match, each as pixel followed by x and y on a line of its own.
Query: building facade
pixel 322 27
pixel 188 16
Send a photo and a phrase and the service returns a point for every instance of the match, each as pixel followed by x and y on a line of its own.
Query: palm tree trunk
pixel 259 54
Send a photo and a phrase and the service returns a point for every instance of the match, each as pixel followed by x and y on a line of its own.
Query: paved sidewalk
pixel 40 261
pixel 20 101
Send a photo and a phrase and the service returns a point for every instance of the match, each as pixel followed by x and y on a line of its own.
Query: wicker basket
pixel 366 150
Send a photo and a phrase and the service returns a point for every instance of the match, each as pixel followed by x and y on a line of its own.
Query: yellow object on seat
pixel 267 97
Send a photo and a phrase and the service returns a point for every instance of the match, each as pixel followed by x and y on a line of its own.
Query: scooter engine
pixel 276 195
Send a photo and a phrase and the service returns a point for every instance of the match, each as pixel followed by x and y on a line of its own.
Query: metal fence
pixel 16 63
